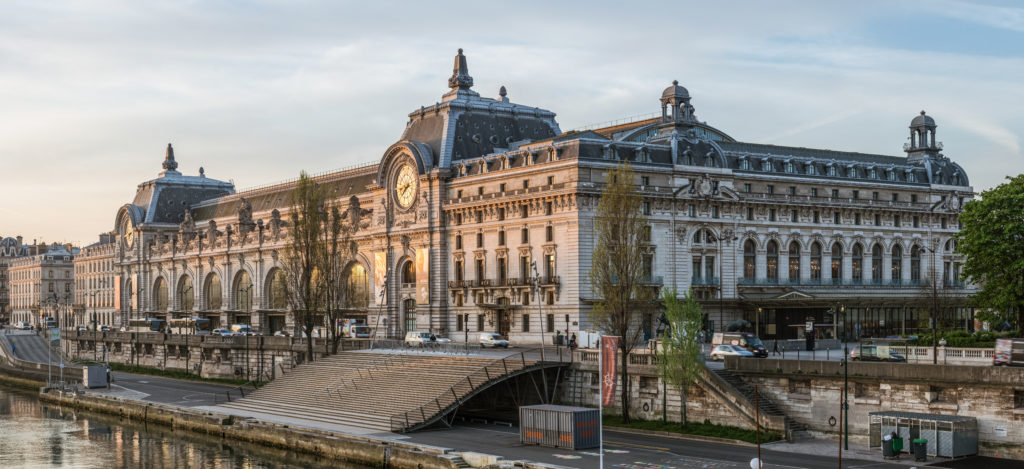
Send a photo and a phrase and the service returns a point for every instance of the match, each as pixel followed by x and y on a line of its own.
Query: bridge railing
pixel 451 398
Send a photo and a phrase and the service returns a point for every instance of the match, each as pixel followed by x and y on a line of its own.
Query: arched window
pixel 243 291
pixel 408 272
pixel 214 296
pixel 749 260
pixel 794 262
pixel 858 263
pixel 186 294
pixel 357 289
pixel 915 265
pixel 458 242
pixel 276 290
pixel 816 262
pixel 409 314
pixel 837 264
pixel 160 295
pixel 897 264
pixel 772 266
pixel 876 264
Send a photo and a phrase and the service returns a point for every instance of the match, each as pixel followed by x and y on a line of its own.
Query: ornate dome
pixel 675 91
pixel 920 120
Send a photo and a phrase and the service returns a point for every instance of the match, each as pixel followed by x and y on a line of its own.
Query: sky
pixel 255 91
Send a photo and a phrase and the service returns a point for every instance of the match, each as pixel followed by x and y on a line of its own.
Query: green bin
pixel 920 448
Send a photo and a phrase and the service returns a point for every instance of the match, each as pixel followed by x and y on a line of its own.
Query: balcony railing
pixel 701 281
pixel 831 283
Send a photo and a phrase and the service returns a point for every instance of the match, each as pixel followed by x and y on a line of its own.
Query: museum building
pixel 481 218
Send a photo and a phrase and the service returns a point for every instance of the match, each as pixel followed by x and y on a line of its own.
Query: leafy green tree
pixel 679 360
pixel 620 268
pixel 992 243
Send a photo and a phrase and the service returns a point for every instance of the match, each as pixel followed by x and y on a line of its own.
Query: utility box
pixel 94 376
pixel 950 436
pixel 560 426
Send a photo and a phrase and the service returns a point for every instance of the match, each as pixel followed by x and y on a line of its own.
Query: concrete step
pixel 313 415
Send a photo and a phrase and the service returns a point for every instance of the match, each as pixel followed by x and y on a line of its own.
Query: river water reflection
pixel 36 435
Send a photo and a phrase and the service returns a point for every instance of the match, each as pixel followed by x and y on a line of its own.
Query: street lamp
pixel 248 310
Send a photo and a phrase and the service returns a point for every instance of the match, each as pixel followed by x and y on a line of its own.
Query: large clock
pixel 129 235
pixel 405 186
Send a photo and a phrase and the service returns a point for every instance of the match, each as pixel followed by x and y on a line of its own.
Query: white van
pixel 493 340
pixel 417 339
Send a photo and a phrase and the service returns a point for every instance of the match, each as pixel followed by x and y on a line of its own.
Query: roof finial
pixel 202 172
pixel 169 163
pixel 922 112
pixel 675 82
pixel 460 74
pixel 503 93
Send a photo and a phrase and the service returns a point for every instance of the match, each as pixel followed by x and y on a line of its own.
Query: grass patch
pixel 177 374
pixel 693 428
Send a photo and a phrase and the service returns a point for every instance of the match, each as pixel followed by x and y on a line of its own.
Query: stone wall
pixel 810 392
pixel 204 355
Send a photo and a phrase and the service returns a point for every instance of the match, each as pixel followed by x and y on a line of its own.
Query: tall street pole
pixel 846 396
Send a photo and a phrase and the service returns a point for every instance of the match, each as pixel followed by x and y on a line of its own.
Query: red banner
pixel 609 354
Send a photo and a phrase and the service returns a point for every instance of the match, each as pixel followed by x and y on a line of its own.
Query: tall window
pixel 357 285
pixel 876 264
pixel 501 238
pixel 837 263
pixel 409 310
pixel 458 242
pixel 549 266
pixel 709 267
pixel 549 233
pixel 858 263
pixel 214 297
pixel 648 266
pixel 502 270
pixel 186 294
pixel 794 262
pixel 479 240
pixel 409 272
pixel 460 269
pixel 772 266
pixel 524 268
pixel 897 264
pixel 915 265
pixel 525 235
pixel 276 290
pixel 749 260
pixel 160 295
pixel 816 262
pixel 243 292
pixel 479 269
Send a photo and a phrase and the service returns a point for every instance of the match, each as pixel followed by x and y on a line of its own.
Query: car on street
pixel 424 339
pixel 221 332
pixel 282 333
pixel 726 350
pixel 747 340
pixel 493 340
pixel 104 328
pixel 875 352
pixel 81 328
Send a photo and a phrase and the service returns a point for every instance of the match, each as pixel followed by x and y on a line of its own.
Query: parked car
pixel 493 340
pixel 81 328
pixel 748 341
pixel 722 351
pixel 222 332
pixel 282 333
pixel 1008 352
pixel 423 338
pixel 875 352
pixel 241 329
pixel 104 328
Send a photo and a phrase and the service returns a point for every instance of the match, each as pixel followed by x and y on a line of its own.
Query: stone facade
pixel 42 285
pixel 94 284
pixel 10 249
pixel 480 218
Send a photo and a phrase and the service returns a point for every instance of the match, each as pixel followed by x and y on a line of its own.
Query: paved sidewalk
pixel 858 450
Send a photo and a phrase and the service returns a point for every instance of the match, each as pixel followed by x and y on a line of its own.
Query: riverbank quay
pixel 372 451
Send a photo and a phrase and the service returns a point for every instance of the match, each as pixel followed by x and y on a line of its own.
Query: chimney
pixel 67 247
pixel 19 241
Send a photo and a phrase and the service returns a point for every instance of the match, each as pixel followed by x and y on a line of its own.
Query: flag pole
pixel 600 400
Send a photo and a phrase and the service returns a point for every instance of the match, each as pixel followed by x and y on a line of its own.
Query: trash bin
pixel 920 446
pixel 897 445
pixel 887 452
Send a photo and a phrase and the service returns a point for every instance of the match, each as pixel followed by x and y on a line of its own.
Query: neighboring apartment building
pixel 94 284
pixel 42 285
pixel 480 198
pixel 10 249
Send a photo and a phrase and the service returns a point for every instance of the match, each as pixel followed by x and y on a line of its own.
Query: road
pixel 28 346
pixel 631 451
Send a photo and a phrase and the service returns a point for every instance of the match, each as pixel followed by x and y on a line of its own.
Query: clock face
pixel 129 236
pixel 405 186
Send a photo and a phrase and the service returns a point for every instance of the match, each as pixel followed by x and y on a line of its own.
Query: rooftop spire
pixel 169 163
pixel 460 74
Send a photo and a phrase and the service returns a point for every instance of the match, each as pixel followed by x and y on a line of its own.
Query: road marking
pixel 634 445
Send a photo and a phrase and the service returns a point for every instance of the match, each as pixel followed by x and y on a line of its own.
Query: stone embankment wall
pixel 368 451
pixel 203 355
pixel 709 399
pixel 811 393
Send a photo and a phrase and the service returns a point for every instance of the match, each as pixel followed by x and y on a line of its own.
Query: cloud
pixel 994 16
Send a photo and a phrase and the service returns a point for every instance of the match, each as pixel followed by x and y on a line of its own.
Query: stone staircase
pixel 794 429
pixel 364 390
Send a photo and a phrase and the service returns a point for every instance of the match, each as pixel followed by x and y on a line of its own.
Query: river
pixel 38 435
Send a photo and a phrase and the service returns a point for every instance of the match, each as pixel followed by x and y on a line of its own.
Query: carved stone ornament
pixel 681 234
pixel 702 186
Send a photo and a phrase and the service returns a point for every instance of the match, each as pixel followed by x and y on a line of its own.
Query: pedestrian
pixel 775 347
pixel 572 341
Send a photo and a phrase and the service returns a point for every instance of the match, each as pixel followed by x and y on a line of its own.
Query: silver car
pixel 490 339
pixel 721 351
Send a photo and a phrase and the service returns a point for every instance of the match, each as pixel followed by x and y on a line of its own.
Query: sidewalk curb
pixel 678 436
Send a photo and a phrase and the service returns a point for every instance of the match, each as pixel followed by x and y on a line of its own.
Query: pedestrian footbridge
pixel 388 390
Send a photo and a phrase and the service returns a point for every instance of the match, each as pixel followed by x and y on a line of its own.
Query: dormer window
pixel 832 170
pixel 851 172
pixel 892 175
pixel 745 165
pixel 811 169
pixel 766 165
pixel 911 177
pixel 789 167
pixel 872 174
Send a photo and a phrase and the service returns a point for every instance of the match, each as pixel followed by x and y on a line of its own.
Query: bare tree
pixel 620 268
pixel 304 283
pixel 339 251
